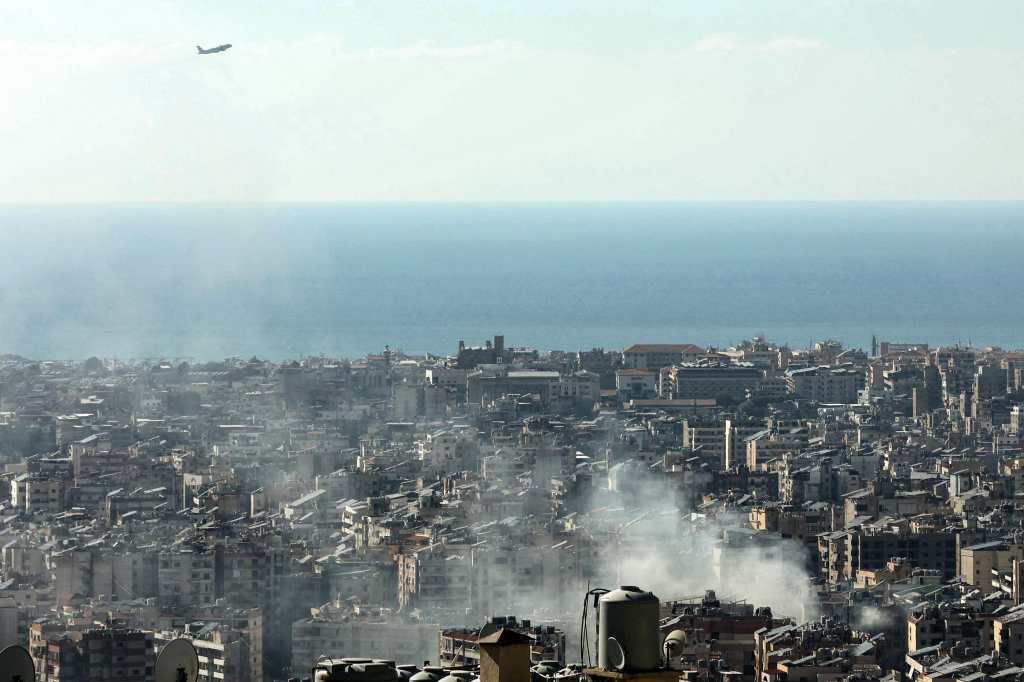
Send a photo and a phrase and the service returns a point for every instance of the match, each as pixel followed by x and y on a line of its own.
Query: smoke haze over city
pixel 479 341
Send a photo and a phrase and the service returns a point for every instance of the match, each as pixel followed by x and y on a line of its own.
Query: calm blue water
pixel 287 280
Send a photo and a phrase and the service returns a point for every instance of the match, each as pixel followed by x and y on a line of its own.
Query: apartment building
pixel 128 573
pixel 826 384
pixel 37 493
pixel 435 577
pixel 225 654
pixel 373 632
pixel 187 576
pixel 93 655
pixel 636 384
pixel 978 561
pixel 712 380
pixel 771 444
pixel 723 440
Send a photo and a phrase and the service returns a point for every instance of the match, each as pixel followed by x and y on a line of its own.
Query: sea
pixel 282 281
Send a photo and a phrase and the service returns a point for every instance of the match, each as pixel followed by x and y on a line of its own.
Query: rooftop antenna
pixel 16 665
pixel 177 662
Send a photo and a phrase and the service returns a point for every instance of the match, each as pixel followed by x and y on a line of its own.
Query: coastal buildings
pixel 654 356
pixel 391 506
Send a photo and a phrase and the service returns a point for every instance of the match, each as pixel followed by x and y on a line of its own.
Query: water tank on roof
pixel 630 639
pixel 425 676
pixel 407 671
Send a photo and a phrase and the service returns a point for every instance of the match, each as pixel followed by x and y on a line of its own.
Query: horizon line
pixel 492 202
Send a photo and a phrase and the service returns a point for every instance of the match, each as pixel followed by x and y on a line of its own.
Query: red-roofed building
pixel 658 355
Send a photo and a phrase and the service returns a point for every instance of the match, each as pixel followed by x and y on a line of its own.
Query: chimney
pixel 505 657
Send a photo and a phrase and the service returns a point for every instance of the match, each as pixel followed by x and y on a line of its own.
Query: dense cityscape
pixel 820 513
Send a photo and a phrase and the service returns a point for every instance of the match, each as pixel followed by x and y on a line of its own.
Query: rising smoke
pixel 643 535
pixel 678 554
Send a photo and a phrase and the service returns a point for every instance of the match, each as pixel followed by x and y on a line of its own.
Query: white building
pixel 631 384
pixel 826 384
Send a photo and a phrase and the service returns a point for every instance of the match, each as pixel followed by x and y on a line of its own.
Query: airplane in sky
pixel 219 48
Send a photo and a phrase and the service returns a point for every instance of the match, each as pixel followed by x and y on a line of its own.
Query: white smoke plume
pixel 677 554
pixel 641 535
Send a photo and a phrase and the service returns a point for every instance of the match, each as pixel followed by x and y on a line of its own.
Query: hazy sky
pixel 513 100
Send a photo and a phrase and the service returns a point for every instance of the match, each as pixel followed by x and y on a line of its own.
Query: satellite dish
pixel 675 641
pixel 177 662
pixel 16 665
